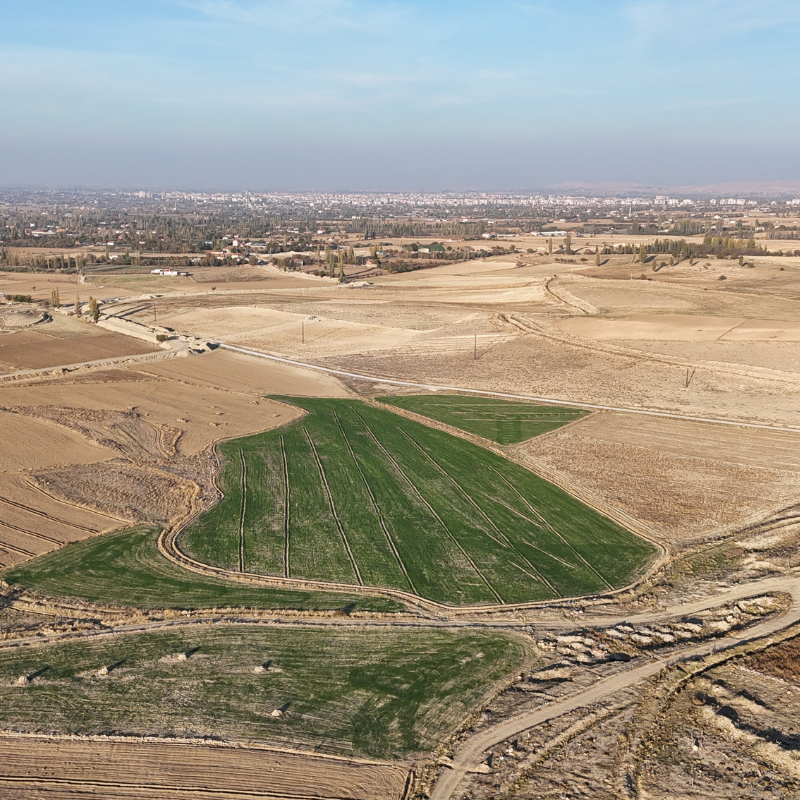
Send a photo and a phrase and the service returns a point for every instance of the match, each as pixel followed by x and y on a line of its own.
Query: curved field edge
pixel 125 568
pixel 505 422
pixel 381 693
pixel 352 494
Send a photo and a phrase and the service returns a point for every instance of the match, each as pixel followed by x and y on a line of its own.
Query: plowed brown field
pixel 37 350
pixel 61 769
pixel 682 479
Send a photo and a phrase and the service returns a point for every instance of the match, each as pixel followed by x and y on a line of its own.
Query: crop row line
pixel 376 507
pixel 285 510
pixel 333 507
pixel 538 576
pixel 242 510
pixel 430 510
pixel 550 527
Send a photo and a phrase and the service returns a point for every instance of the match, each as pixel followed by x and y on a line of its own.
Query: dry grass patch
pixel 200 415
pixel 682 479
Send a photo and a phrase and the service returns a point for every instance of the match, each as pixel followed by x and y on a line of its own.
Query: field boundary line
pixel 487 393
pixel 146 788
pixel 430 509
pixel 285 510
pixel 378 512
pixel 216 744
pixel 333 508
pixel 242 510
pixel 480 511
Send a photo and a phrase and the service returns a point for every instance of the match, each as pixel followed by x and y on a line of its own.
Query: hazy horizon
pixel 356 95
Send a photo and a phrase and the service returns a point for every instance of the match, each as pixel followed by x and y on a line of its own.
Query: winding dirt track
pixel 470 755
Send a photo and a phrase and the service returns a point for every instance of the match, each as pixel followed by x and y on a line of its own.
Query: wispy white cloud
pixel 706 20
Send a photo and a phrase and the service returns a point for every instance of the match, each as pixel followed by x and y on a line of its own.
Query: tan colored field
pixel 682 328
pixel 33 522
pixel 95 452
pixel 32 444
pixel 65 341
pixel 63 769
pixel 199 415
pixel 230 371
pixel 683 480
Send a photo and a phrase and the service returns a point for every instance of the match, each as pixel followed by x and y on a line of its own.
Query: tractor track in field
pixel 549 527
pixel 430 508
pixel 285 509
pixel 242 510
pixel 536 574
pixel 48 517
pixel 376 507
pixel 333 508
pixel 41 536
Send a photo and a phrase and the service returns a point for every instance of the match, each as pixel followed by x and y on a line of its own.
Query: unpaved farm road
pixel 484 392
pixel 471 754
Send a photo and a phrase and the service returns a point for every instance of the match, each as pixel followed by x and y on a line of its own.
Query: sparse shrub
pixel 162 337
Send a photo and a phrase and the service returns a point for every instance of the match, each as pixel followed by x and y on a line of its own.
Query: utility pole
pixel 155 318
pixel 475 349
pixel 302 332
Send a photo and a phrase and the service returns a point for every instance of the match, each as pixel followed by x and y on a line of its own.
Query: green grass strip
pixel 501 421
pixel 126 568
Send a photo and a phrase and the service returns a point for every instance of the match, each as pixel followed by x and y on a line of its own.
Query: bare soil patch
pixel 61 768
pixel 681 327
pixel 682 479
pixel 27 443
pixel 241 373
pixel 36 350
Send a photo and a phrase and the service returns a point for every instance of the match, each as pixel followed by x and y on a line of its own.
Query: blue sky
pixel 358 94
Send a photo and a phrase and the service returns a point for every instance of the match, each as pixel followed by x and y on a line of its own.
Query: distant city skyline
pixel 357 95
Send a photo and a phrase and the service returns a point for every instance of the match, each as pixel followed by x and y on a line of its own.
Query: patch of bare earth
pixel 63 769
pixel 684 480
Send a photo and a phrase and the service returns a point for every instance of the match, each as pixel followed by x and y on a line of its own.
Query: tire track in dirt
pixel 41 536
pixel 29 510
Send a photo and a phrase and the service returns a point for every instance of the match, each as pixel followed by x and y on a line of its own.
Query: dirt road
pixel 547 400
pixel 471 754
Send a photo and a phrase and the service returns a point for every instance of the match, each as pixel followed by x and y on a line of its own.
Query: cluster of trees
pixel 719 246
